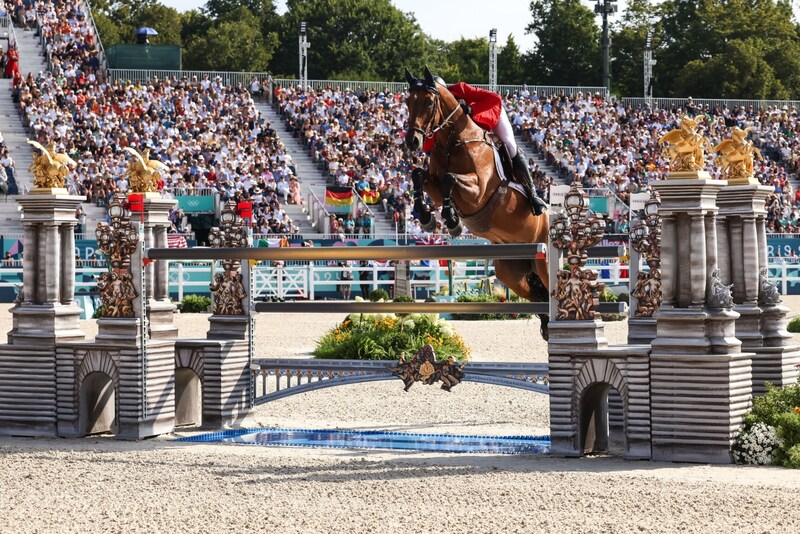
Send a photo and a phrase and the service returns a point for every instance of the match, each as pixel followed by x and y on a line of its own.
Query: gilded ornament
pixel 50 168
pixel 686 146
pixel 143 173
pixel 736 157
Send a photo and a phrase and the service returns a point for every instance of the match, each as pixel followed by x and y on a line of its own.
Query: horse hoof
pixel 456 230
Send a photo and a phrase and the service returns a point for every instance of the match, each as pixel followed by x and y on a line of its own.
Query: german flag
pixel 371 197
pixel 338 197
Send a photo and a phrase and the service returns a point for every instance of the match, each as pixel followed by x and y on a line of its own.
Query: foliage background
pixel 705 48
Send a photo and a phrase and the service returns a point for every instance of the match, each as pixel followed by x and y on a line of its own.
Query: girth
pixel 481 220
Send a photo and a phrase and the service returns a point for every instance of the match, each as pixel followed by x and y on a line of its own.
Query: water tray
pixel 375 439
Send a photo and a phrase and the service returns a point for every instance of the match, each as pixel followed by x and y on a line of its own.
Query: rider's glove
pixel 465 106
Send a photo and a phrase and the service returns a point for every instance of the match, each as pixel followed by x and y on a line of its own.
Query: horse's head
pixel 424 110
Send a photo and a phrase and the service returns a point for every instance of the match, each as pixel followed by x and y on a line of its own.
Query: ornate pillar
pixel 47 311
pixel 699 378
pixel 229 289
pixel 29 369
pixel 761 326
pixel 67 263
pixel 645 289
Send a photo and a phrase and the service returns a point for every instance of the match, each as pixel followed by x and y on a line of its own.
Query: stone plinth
pixel 160 310
pixel 46 311
pixel 140 380
pixel 27 390
pixel 228 327
pixel 697 405
pixel 641 330
pixel 223 367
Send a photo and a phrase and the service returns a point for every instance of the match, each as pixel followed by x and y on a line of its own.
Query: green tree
pixel 236 44
pixel 567 51
pixel 117 21
pixel 466 60
pixel 700 38
pixel 739 72
pixel 510 66
pixel 367 39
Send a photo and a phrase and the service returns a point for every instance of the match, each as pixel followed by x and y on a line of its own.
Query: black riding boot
pixel 523 175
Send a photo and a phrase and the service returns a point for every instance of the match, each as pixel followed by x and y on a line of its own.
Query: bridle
pixel 429 132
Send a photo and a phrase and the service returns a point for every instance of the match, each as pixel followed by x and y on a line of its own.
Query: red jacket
pixel 486 107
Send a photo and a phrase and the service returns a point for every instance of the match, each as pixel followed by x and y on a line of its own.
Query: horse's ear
pixel 429 78
pixel 410 78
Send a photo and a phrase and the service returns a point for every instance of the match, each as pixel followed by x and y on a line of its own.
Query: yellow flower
pixel 797 409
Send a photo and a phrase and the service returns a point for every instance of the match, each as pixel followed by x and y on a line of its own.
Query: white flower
pixel 409 323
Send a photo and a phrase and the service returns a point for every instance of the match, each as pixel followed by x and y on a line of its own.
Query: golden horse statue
pixel 686 146
pixel 49 168
pixel 143 173
pixel 736 156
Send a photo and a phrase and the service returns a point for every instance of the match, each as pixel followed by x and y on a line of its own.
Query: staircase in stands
pixel 310 175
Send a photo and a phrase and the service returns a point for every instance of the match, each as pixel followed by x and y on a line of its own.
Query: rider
pixel 486 109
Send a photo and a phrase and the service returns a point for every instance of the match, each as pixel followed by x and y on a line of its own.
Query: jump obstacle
pixel 681 384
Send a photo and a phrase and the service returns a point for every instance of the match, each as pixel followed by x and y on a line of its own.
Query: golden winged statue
pixel 686 146
pixel 143 173
pixel 49 168
pixel 736 156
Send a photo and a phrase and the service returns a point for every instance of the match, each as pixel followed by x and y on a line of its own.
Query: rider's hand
pixel 465 106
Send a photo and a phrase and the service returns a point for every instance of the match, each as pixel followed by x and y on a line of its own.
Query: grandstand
pixel 281 152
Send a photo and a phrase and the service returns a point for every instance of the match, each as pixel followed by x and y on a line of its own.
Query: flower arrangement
pixel 771 431
pixel 385 336
pixel 757 446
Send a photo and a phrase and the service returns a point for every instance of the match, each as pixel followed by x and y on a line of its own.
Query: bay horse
pixel 462 179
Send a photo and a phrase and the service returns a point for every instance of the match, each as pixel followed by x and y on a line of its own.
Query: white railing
pixel 666 103
pixel 398 87
pixel 227 78
pixel 318 214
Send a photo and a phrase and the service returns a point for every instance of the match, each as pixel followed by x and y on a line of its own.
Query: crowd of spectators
pixel 609 146
pixel 356 136
pixel 210 135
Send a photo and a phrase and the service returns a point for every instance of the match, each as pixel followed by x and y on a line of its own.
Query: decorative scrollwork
pixel 423 367
pixel 719 295
pixel 577 290
pixel 646 240
pixel 768 294
pixel 118 241
pixel 228 286
pixel 49 168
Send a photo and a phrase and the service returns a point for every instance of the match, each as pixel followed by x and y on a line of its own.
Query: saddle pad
pixel 498 164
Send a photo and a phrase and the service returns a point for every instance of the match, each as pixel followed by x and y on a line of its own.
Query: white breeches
pixel 505 132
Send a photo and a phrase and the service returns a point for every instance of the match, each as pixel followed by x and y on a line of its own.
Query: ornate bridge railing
pixel 275 379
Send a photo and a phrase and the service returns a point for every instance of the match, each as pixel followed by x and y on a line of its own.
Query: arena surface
pixel 99 484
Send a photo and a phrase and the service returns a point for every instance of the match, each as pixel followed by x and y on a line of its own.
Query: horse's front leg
pixel 451 219
pixel 426 218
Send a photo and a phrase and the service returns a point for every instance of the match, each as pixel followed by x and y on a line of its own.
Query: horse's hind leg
pixel 523 279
